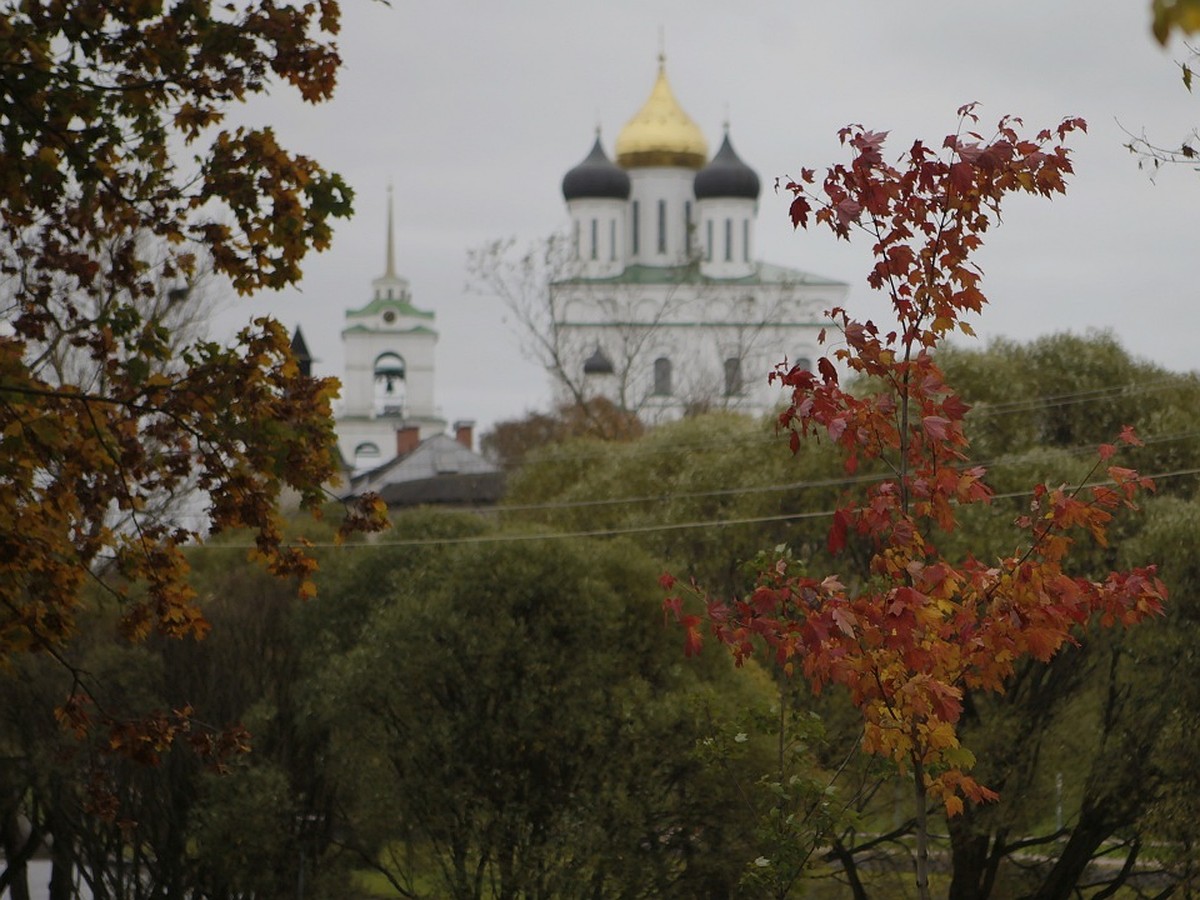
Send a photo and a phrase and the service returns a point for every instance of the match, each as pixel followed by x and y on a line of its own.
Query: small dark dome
pixel 726 176
pixel 300 353
pixel 598 364
pixel 597 176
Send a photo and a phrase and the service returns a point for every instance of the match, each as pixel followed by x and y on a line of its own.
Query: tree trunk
pixel 1093 829
pixel 17 851
pixel 969 858
pixel 843 855
pixel 62 869
pixel 975 855
pixel 922 830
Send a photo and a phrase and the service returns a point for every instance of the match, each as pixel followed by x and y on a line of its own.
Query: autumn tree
pixel 1076 747
pixel 510 442
pixel 120 173
pixel 913 636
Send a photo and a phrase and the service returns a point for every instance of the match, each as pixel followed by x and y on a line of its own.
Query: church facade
pixel 664 308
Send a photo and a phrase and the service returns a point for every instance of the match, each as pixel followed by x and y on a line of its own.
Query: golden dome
pixel 661 133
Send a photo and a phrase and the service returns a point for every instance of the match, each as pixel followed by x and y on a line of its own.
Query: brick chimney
pixel 464 433
pixel 407 439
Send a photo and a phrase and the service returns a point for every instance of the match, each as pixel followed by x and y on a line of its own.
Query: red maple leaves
pixel 909 636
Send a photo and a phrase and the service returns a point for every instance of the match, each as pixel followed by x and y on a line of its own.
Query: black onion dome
pixel 726 176
pixel 597 176
pixel 598 364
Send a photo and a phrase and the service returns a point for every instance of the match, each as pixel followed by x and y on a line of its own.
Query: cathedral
pixel 662 306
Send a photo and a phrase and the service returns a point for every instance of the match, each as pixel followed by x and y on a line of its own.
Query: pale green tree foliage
pixel 515 721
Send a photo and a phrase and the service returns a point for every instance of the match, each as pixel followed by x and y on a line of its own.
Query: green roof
pixel 379 304
pixel 416 329
pixel 764 273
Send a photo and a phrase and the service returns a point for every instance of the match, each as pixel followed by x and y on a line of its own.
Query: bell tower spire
pixel 389 285
pixel 390 272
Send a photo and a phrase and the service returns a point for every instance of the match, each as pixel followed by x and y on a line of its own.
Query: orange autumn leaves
pixel 913 633
pixel 119 445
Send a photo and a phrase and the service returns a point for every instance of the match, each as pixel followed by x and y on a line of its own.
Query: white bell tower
pixel 388 386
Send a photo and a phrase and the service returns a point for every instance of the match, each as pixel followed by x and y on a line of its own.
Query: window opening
pixel 733 376
pixel 687 226
pixel 662 377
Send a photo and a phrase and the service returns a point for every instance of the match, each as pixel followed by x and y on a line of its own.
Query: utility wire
pixel 979 410
pixel 844 481
pixel 618 531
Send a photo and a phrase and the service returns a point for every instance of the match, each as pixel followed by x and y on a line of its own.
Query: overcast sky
pixel 475 111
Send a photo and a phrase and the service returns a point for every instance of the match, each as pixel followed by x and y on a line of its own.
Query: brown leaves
pixel 104 421
pixel 88 134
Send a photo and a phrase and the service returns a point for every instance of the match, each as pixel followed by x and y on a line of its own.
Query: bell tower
pixel 389 349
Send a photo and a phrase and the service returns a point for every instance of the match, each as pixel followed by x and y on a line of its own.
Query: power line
pixel 840 482
pixel 501 538
pixel 980 409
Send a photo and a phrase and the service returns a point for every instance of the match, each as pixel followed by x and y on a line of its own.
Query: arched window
pixel 803 363
pixel 390 384
pixel 662 226
pixel 733 376
pixel 662 377
pixel 366 455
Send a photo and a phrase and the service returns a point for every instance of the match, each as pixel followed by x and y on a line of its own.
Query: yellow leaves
pixel 1168 16
pixel 191 119
pixel 939 737
pixel 86 461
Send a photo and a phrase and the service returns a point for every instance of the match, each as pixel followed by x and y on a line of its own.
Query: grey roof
pixel 446 490
pixel 438 470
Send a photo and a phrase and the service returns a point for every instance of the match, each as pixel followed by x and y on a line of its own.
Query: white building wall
pixel 696 328
pixel 598 228
pixel 364 346
pixel 726 234
pixel 672 188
